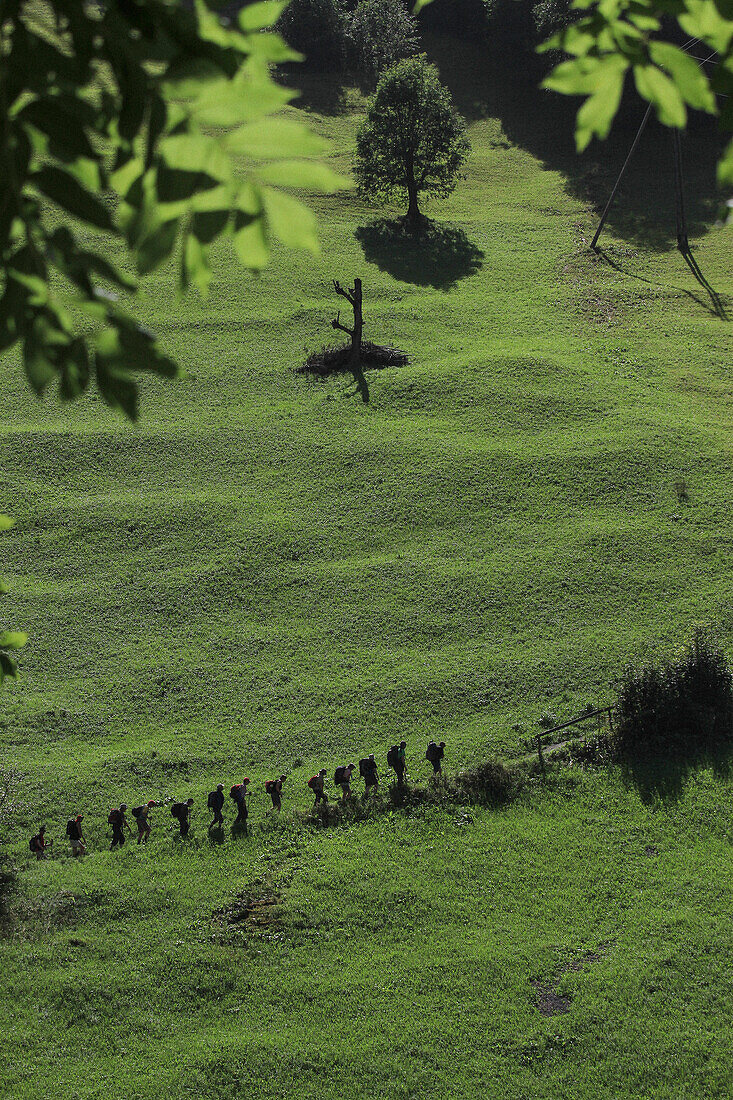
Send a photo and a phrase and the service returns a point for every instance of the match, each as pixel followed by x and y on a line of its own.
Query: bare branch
pixel 347 294
pixel 336 323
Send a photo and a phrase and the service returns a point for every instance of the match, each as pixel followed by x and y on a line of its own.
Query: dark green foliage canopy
pixel 681 708
pixel 104 112
pixel 381 32
pixel 527 23
pixel 412 141
pixel 318 28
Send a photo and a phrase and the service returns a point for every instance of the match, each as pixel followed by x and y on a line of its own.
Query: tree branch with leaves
pixel 618 39
pixel 106 120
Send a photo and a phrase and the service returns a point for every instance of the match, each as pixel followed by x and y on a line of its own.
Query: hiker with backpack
pixel 240 793
pixel 317 784
pixel 368 772
pixel 39 843
pixel 274 788
pixel 142 816
pixel 393 758
pixel 401 763
pixel 182 813
pixel 215 802
pixel 435 753
pixel 75 835
pixel 119 823
pixel 342 779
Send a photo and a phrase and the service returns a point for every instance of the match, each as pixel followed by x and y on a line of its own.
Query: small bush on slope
pixel 679 709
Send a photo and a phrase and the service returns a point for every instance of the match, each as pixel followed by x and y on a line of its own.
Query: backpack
pixel 136 811
pixel 314 782
pixel 114 817
pixel 209 801
pixel 34 844
pixel 270 786
pixel 363 767
pixel 71 829
pixel 234 792
pixel 431 752
pixel 338 775
pixel 392 757
pixel 177 810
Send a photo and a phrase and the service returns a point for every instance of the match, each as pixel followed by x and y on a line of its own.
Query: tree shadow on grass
pixel 492 81
pixel 664 780
pixel 438 256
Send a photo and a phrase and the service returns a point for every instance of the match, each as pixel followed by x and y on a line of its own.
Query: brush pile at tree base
pixel 337 358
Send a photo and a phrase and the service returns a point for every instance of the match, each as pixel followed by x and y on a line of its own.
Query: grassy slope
pixel 267 570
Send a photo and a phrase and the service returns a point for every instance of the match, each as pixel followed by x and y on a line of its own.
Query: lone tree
pixel 412 141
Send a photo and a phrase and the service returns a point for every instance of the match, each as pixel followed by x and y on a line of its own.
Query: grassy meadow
pixel 267 575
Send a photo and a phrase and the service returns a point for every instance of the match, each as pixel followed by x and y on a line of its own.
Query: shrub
pixel 317 28
pixel 380 33
pixel 489 782
pixel 595 752
pixel 678 709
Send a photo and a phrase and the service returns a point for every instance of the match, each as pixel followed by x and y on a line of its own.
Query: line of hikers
pixel 239 793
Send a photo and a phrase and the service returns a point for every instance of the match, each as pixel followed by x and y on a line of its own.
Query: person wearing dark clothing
pixel 39 843
pixel 401 763
pixel 76 837
pixel 215 802
pixel 345 781
pixel 274 788
pixel 435 753
pixel 369 774
pixel 317 784
pixel 240 795
pixel 119 823
pixel 182 812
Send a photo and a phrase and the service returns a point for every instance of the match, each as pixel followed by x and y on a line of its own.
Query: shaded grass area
pixel 266 572
pixel 486 81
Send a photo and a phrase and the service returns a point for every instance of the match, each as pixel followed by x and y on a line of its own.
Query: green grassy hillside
pixel 266 571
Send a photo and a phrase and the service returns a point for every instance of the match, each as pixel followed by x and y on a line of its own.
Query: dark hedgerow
pixel 679 709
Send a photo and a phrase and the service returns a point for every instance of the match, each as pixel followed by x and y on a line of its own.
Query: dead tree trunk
pixel 353 297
